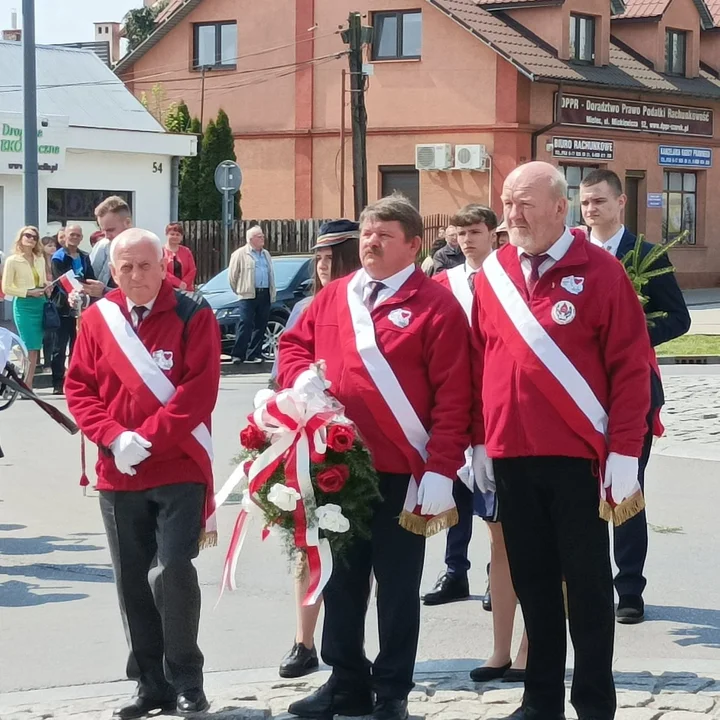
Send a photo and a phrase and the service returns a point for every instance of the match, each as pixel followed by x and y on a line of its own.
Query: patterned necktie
pixel 471 281
pixel 140 312
pixel 375 287
pixel 535 262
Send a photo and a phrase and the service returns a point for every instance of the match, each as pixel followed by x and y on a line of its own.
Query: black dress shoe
pixel 329 700
pixel 487 673
pixel 192 701
pixel 449 588
pixel 141 706
pixel 630 610
pixel 526 713
pixel 487 600
pixel 299 661
pixel 514 675
pixel 58 390
pixel 390 710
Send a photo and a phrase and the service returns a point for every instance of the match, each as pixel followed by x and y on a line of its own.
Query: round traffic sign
pixel 228 177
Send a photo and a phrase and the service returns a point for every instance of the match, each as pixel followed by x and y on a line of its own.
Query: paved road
pixel 59 623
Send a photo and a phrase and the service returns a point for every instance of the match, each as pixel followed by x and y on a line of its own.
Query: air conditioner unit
pixel 433 157
pixel 471 157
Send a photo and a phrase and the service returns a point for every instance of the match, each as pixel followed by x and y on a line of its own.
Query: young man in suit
pixel 603 205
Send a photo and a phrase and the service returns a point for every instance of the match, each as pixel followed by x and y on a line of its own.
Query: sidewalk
pixel 438 695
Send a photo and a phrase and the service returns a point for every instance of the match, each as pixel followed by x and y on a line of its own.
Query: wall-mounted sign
pixel 687 157
pixel 654 200
pixel 52 143
pixel 633 115
pixel 582 148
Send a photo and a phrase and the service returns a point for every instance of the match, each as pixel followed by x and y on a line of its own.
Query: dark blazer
pixel 60 264
pixel 664 295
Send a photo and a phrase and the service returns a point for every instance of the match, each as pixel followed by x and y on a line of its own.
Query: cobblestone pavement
pixel 692 408
pixel 641 696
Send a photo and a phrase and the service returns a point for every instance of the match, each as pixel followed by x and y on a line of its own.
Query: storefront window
pixel 574 175
pixel 65 205
pixel 679 205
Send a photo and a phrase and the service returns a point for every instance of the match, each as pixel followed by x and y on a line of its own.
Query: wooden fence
pixel 282 237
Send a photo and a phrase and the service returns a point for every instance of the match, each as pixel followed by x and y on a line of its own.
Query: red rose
pixel 333 479
pixel 340 437
pixel 253 438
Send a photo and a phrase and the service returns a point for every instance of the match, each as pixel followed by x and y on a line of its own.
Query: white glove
pixel 435 494
pixel 129 449
pixel 78 299
pixel 621 476
pixel 310 383
pixel 483 470
pixel 465 473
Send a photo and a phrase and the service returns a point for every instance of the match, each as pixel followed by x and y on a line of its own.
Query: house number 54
pixel 157 167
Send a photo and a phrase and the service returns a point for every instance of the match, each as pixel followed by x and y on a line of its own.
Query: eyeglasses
pixel 32 236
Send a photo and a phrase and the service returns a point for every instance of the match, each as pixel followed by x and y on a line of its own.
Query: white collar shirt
pixel 392 284
pixel 133 314
pixel 555 253
pixel 612 244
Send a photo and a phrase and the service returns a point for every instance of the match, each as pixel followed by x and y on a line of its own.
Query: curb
pixel 689 360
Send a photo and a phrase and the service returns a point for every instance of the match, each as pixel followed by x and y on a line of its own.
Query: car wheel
pixel 273 332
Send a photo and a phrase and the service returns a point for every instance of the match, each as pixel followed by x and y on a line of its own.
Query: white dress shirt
pixel 131 309
pixel 555 253
pixel 612 244
pixel 392 284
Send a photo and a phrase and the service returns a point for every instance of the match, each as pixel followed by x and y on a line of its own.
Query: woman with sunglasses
pixel 24 278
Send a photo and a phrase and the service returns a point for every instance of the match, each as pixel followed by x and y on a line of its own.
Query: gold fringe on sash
pixel 623 512
pixel 419 525
pixel 208 539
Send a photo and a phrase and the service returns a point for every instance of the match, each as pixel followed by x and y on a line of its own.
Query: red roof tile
pixel 644 8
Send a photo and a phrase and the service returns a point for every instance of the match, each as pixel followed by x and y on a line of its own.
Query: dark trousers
pixel 396 557
pixel 49 341
pixel 251 327
pixel 459 536
pixel 630 540
pixel 553 530
pixel 65 342
pixel 153 537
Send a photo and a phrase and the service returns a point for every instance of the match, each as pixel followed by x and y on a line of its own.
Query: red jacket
pixel 607 342
pixel 103 408
pixel 189 270
pixel 430 358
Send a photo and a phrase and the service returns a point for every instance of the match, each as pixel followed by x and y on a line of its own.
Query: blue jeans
pixel 252 324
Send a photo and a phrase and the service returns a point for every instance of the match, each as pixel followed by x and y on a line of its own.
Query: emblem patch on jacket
pixel 563 312
pixel 163 359
pixel 574 285
pixel 400 317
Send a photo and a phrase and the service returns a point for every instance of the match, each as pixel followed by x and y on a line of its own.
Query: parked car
pixel 293 282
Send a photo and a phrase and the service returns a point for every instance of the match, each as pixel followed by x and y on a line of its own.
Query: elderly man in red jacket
pixel 142 385
pixel 562 383
pixel 385 333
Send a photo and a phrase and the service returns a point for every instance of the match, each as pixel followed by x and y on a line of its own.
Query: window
pixel 403 179
pixel 582 39
pixel 679 204
pixel 675 42
pixel 573 175
pixel 78 205
pixel 215 45
pixel 397 35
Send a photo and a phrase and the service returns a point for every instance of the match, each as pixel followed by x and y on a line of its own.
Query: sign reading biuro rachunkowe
pixel 52 143
pixel 635 116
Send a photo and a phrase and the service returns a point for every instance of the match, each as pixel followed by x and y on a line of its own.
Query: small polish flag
pixel 69 282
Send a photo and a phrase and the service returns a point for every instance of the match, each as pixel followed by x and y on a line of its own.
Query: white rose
pixel 330 518
pixel 262 397
pixel 284 497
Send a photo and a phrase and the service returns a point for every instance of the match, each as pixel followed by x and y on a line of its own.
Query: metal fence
pixel 282 237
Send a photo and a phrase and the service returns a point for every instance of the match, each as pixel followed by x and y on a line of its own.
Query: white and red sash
pixel 369 371
pixel 152 389
pixel 460 287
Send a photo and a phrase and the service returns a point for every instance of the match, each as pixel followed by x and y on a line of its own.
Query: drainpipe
pixel 555 123
pixel 174 189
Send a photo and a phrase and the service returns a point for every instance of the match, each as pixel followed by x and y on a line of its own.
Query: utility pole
pixel 202 97
pixel 356 36
pixel 342 147
pixel 30 141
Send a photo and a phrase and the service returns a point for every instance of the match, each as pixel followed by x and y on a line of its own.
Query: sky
pixel 64 21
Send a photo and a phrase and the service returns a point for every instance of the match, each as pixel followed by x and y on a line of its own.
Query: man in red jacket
pixel 384 334
pixel 142 385
pixel 562 384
